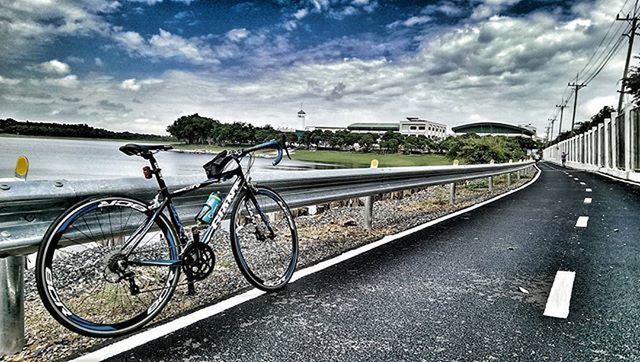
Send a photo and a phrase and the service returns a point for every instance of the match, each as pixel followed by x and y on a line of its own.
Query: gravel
pixel 321 236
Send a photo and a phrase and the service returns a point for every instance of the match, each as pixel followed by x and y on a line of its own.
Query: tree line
pixel 585 126
pixel 27 128
pixel 196 129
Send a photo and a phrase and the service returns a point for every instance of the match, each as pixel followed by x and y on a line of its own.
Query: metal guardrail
pixel 28 208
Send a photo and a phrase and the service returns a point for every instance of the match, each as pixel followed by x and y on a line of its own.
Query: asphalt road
pixel 452 291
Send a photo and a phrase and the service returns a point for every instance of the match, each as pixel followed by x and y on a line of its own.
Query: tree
pixel 193 128
pixel 632 85
pixel 475 149
pixel 366 141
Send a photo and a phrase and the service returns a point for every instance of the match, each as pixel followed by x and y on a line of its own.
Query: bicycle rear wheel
pixel 264 239
pixel 94 286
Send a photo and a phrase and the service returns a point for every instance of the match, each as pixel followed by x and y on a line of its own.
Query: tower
pixel 301 120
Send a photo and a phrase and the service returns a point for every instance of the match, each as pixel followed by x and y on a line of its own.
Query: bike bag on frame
pixel 221 166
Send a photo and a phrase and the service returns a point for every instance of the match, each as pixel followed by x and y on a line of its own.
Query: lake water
pixel 85 159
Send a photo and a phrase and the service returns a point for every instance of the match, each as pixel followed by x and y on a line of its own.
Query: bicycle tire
pixel 250 260
pixel 50 277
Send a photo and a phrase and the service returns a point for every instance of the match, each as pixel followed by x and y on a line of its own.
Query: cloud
pixel 448 8
pixel 236 35
pixel 70 81
pixel 490 8
pixel 113 106
pixel 166 45
pixel 154 2
pixel 71 99
pixel 26 25
pixel 301 13
pixel 9 81
pixel 416 20
pixel 54 67
pixel 98 62
pixel 410 22
pixel 130 84
pixel 470 69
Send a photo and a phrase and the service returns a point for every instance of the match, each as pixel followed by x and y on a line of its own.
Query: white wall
pixel 597 151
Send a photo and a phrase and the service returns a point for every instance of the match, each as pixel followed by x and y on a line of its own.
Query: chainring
pixel 198 261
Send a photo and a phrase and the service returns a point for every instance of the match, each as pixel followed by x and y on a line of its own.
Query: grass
pixel 361 159
pixel 210 148
pixel 349 159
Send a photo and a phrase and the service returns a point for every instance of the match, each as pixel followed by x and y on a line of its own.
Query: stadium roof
pixel 492 128
pixel 374 127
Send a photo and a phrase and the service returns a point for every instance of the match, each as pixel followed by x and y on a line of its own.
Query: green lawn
pixel 360 159
pixel 210 148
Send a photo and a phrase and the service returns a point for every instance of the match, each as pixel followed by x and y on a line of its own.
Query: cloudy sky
pixel 139 64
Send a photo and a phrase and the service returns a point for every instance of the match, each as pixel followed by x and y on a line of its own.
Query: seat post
pixel 157 172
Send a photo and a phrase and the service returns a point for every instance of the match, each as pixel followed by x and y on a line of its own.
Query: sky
pixel 138 65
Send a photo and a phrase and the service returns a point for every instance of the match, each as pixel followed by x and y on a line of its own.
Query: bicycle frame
pixel 158 208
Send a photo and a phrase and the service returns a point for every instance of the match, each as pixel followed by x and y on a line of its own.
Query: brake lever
pixel 283 144
pixel 287 151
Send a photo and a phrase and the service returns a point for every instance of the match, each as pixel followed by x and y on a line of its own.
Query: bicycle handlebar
pixel 277 144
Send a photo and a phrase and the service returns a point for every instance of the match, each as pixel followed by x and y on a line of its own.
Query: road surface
pixel 471 288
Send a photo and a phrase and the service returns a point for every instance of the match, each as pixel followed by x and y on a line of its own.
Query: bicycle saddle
pixel 133 149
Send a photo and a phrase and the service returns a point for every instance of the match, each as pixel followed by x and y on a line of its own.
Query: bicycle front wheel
pixel 94 285
pixel 264 238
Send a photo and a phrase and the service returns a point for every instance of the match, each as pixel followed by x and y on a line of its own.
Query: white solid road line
pixel 162 330
pixel 560 295
pixel 588 190
pixel 582 222
pixel 587 200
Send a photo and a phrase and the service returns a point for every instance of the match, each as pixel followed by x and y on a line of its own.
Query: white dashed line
pixel 588 190
pixel 582 222
pixel 583 184
pixel 577 179
pixel 560 295
pixel 587 200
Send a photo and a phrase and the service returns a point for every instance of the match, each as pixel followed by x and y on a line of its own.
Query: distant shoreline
pixel 11 135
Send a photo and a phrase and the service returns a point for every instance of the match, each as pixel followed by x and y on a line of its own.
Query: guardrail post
pixel 12 289
pixel 367 214
pixel 508 179
pixel 518 175
pixel 490 182
pixel 452 193
pixel 11 304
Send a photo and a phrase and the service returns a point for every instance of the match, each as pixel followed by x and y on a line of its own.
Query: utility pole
pixel 634 23
pixel 562 106
pixel 548 138
pixel 576 87
pixel 552 120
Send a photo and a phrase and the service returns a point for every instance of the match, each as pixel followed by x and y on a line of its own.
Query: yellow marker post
pixel 456 163
pixel 374 163
pixel 22 168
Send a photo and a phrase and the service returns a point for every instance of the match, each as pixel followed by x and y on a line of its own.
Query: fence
pixel 28 208
pixel 612 147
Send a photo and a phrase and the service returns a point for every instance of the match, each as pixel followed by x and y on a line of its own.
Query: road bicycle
pixel 109 265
